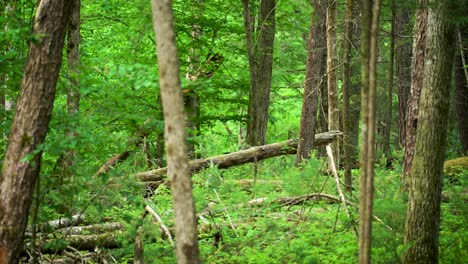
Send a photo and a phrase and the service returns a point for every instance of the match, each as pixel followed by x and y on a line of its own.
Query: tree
pixel 461 89
pixel 345 90
pixel 333 113
pixel 191 97
pixel 260 54
pixel 417 78
pixel 425 185
pixel 369 49
pixel 23 156
pixel 174 120
pixel 388 117
pixel 314 79
pixel 403 67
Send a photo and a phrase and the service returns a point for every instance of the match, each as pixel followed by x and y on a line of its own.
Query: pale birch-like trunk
pixel 174 124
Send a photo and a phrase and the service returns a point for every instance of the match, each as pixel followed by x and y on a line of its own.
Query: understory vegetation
pixel 268 211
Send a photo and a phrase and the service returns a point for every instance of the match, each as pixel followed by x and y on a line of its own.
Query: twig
pixel 163 226
pixel 227 213
pixel 460 44
pixel 335 174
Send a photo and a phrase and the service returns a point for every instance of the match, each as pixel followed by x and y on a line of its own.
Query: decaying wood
pixel 337 180
pixel 248 183
pixel 91 229
pixel 164 228
pixel 243 156
pixel 83 242
pixel 74 220
pixel 114 160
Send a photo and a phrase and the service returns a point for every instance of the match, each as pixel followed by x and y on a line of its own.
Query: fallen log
pixel 242 156
pixel 81 242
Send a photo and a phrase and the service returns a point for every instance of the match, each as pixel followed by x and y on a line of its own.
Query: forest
pixel 207 131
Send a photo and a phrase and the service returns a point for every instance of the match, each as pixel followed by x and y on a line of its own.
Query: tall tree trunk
pixel 22 159
pixel 369 49
pixel 355 88
pixel 461 89
pixel 345 90
pixel 388 118
pixel 417 77
pixel 191 97
pixel 73 95
pixel 261 65
pixel 403 68
pixel 425 185
pixel 174 120
pixel 323 109
pixel 314 79
pixel 333 113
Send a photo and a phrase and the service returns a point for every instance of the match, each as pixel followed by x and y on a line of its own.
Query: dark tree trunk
pixel 174 128
pixel 417 77
pixel 388 117
pixel 461 89
pixel 403 67
pixel 355 89
pixel 347 147
pixel 314 79
pixel 22 159
pixel 323 109
pixel 425 186
pixel 261 65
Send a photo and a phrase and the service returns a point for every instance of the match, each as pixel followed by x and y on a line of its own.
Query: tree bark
pixel 417 77
pixel 425 185
pixel 461 90
pixel 261 65
pixel 403 68
pixel 332 89
pixel 22 159
pixel 64 167
pixel 174 120
pixel 388 117
pixel 345 90
pixel 191 97
pixel 369 49
pixel 314 79
pixel 243 156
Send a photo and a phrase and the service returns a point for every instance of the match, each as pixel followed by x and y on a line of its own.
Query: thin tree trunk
pixel 345 90
pixel 417 77
pixel 332 89
pixel 22 159
pixel 191 97
pixel 174 120
pixel 425 185
pixel 388 118
pixel 403 68
pixel 314 79
pixel 355 88
pixel 261 65
pixel 66 161
pixel 369 49
pixel 461 90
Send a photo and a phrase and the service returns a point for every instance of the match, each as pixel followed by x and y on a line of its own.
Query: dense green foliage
pixel 119 103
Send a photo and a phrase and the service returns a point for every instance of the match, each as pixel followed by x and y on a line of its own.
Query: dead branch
pixel 242 156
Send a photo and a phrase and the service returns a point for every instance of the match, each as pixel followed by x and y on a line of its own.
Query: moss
pixel 456 165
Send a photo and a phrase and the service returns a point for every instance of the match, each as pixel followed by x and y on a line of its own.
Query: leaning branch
pixel 243 156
